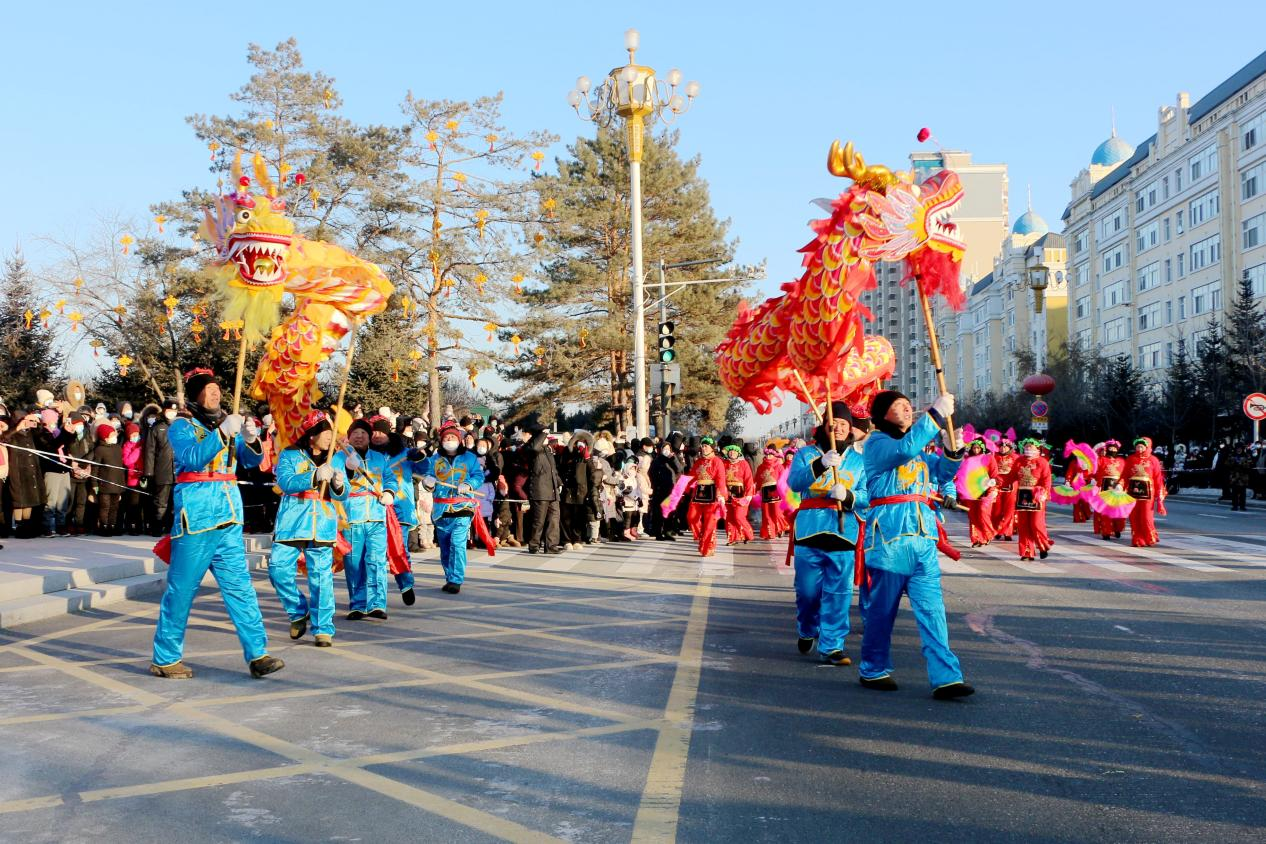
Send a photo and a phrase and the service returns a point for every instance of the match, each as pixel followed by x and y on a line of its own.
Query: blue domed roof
pixel 1111 152
pixel 1030 223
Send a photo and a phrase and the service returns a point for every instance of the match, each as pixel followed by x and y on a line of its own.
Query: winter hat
pixel 104 431
pixel 360 425
pixel 883 402
pixel 314 423
pixel 49 416
pixel 132 428
pixel 380 424
pixel 196 380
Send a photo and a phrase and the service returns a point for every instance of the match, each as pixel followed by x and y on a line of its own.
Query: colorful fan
pixel 1065 494
pixel 1111 503
pixel 790 500
pixel 1085 456
pixel 972 480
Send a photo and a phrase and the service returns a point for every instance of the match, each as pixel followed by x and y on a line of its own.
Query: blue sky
pixel 95 95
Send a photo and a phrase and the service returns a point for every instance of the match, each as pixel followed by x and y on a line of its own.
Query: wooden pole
pixel 342 394
pixel 237 396
pixel 935 354
pixel 808 397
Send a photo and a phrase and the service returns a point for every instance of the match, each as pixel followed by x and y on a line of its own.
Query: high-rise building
pixel 1160 235
pixel 982 219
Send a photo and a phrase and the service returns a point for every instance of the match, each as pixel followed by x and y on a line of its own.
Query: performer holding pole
pixel 457 470
pixel 373 490
pixel 207 533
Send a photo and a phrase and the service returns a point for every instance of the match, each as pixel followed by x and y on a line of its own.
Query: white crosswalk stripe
pixel 1157 555
pixel 1012 557
pixel 949 566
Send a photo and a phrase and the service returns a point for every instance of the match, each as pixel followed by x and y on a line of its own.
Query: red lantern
pixel 1038 385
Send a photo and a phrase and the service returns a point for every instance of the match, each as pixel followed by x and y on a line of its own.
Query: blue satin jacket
pixel 406 499
pixel 201 506
pixel 851 472
pixel 373 478
pixel 461 468
pixel 900 467
pixel 307 518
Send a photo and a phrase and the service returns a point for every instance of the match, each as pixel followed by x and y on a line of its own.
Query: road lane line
pixel 660 809
pixel 1156 556
pixel 1027 565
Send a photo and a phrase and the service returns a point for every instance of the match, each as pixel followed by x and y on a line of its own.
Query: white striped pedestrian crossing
pixel 1156 555
pixel 949 566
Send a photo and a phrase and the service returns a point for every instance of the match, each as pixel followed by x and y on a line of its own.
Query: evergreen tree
pixel 580 323
pixel 1180 398
pixel 381 373
pixel 1214 372
pixel 1246 342
pixel 1121 398
pixel 29 359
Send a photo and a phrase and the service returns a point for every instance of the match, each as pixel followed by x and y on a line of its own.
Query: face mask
pixel 111 440
pixel 169 415
pixel 449 446
pixel 483 449
pixel 268 420
pixel 135 438
pixel 127 414
pixel 151 420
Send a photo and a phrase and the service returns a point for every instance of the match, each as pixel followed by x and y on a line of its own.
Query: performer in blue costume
pixel 207 532
pixel 391 445
pixel 373 490
pixel 457 472
pixel 307 524
pixel 901 541
pixel 832 485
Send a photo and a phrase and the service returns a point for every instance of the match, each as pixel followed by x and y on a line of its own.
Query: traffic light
pixel 667 354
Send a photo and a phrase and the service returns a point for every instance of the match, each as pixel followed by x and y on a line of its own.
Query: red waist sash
pixel 900 499
pixel 204 477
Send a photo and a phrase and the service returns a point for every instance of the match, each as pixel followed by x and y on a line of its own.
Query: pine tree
pixel 29 359
pixel 1214 372
pixel 581 321
pixel 382 374
pixel 1246 342
pixel 1180 398
pixel 1121 397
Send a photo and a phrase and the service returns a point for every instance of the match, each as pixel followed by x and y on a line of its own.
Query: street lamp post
pixel 632 93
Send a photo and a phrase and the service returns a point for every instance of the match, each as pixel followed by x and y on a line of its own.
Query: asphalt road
pixel 635 692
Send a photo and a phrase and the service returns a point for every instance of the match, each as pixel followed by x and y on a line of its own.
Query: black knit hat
pixel 881 404
pixel 360 425
pixel 380 424
pixel 196 380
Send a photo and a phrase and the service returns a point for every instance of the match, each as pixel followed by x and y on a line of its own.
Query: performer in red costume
pixel 707 491
pixel 773 523
pixel 741 487
pixel 1004 504
pixel 1031 476
pixel 1111 467
pixel 980 510
pixel 1145 481
pixel 1081 508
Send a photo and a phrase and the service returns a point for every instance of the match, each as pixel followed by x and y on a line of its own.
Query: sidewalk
pixel 42 578
pixel 1198 495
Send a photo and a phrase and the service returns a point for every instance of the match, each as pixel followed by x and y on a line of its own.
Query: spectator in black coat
pixel 543 487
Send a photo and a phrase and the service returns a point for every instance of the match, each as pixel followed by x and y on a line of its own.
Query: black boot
pixel 408 596
pixel 953 690
pixel 879 684
pixel 265 665
pixel 804 645
pixel 298 628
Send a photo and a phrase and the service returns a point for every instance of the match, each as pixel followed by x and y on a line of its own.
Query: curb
pixel 1213 502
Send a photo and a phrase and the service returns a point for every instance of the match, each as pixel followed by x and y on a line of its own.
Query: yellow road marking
pixel 660 809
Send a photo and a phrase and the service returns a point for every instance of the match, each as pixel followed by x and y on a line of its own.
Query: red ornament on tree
pixel 1038 385
pixel 300 178
pixel 924 134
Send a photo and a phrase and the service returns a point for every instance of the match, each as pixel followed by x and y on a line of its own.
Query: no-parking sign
pixel 1255 406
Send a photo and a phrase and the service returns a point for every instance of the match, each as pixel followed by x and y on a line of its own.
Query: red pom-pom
pixel 245 181
pixel 300 178
pixel 924 134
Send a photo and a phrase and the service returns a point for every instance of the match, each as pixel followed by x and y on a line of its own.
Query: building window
pixel 1149 316
pixel 1169 270
pixel 1257 275
pixel 1165 187
pixel 1150 356
pixel 1115 294
pixel 1083 307
pixel 1182 307
pixel 1254 228
pixel 1181 271
pixel 1206 298
pixel 1147 237
pixel 1178 180
pixel 1169 312
pixel 1206 253
pixel 1114 330
pixel 1149 277
pixel 1079 241
pixel 1204 208
pixel 1203 163
pixel 1251 132
pixel 1251 181
pixel 1178 222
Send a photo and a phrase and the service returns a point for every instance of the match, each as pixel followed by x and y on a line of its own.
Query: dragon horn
pixel 236 172
pixel 846 162
pixel 261 176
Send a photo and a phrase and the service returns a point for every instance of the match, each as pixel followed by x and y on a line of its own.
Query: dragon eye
pixel 243 215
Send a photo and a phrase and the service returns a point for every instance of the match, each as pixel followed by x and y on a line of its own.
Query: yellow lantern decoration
pixel 29 316
pixel 315 196
pixel 75 318
pixel 480 281
pixel 406 304
pixel 538 157
pixel 539 351
pixel 460 178
pixel 124 363
pixel 481 220
pixel 196 328
pixel 538 239
pixel 79 284
pixel 160 219
pixel 491 328
pixel 96 346
pixel 268 125
pixel 328 97
pixel 517 281
pixel 60 305
pixel 451 125
pixel 127 240
pixel 431 138
pixel 492 142
pixel 584 336
pixel 170 303
pixel 472 372
pixel 214 147
pixel 515 340
pixel 548 206
pixel 233 328
pixel 416 357
pixel 120 311
pixel 395 370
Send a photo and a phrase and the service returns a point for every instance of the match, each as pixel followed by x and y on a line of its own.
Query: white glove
pixel 387 499
pixel 944 405
pixel 839 492
pixel 831 459
pixel 353 462
pixel 428 481
pixel 324 472
pixel 232 425
pixel 991 483
pixel 250 431
pixel 463 489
